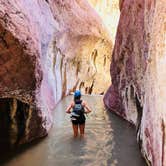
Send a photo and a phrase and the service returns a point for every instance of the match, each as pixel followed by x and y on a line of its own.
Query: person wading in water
pixel 77 109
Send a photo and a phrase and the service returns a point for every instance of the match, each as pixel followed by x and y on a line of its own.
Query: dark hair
pixel 77 98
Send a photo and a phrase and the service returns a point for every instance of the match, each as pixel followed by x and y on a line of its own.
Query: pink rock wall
pixel 26 28
pixel 138 90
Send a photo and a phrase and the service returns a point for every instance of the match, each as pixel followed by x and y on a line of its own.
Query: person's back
pixel 77 114
pixel 78 108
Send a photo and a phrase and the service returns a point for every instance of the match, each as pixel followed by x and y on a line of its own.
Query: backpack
pixel 78 110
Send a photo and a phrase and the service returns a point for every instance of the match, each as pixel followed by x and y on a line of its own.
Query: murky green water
pixel 109 141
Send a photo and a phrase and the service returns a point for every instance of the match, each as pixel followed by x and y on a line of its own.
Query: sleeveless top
pixel 78 110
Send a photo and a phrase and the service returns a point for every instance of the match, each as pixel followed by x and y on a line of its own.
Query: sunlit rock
pixel 81 49
pixel 138 91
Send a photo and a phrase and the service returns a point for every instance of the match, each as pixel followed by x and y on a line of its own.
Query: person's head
pixel 77 95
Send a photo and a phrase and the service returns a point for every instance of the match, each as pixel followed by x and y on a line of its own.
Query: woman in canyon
pixel 77 109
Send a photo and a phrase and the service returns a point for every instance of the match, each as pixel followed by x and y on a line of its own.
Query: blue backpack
pixel 78 109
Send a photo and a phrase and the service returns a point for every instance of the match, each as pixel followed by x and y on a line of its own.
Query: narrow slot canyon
pixel 113 51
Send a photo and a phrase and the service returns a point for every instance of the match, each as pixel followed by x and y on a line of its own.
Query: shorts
pixel 78 121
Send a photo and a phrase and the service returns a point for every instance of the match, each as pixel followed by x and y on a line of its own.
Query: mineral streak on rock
pixel 138 90
pixel 18 124
pixel 83 61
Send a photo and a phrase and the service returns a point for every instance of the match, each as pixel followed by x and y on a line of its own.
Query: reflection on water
pixel 109 141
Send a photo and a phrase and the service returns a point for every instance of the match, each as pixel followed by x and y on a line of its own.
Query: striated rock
pixel 138 91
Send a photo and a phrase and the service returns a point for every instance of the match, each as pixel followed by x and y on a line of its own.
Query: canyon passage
pixel 113 48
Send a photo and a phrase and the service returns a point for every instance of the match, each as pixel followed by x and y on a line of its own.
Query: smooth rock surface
pixel 138 91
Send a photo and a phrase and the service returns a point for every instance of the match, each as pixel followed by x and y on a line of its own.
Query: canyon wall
pixel 47 50
pixel 138 91
pixel 25 33
pixel 81 49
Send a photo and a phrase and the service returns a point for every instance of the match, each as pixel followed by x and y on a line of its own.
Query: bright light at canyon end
pixel 108 10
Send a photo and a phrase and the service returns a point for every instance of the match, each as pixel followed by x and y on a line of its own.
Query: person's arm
pixel 87 109
pixel 69 108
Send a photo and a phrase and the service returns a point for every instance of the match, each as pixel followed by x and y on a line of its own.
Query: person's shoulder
pixel 83 102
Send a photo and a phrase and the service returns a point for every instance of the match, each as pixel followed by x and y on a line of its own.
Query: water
pixel 109 141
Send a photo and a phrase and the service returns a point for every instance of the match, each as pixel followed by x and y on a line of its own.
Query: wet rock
pixel 138 90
